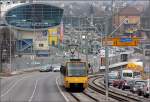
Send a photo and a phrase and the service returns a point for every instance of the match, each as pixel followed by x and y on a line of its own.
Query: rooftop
pixel 129 11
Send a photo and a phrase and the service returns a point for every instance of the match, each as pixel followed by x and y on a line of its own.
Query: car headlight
pixel 126 84
pixel 134 89
pixel 141 87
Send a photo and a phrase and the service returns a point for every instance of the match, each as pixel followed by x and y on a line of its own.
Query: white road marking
pixel 35 86
pixel 13 85
pixel 10 84
pixel 67 100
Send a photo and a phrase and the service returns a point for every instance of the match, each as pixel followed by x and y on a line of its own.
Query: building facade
pixel 37 26
pixel 132 23
pixel 145 22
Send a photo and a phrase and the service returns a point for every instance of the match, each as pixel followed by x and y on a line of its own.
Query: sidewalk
pixel 23 71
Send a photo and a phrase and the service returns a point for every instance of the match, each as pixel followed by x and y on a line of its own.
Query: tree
pixel 5 33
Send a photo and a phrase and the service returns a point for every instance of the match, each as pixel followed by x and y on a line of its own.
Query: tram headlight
pixel 66 83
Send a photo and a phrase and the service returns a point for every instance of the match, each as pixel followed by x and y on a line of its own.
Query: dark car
pixel 137 86
pixel 146 89
pixel 111 77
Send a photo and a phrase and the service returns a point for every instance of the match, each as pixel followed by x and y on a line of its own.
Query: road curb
pixel 5 75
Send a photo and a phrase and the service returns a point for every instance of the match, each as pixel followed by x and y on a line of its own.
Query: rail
pixel 83 97
pixel 120 96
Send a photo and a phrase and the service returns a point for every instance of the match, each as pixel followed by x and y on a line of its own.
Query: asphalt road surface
pixel 32 87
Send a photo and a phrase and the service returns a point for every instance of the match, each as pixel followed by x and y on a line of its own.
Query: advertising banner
pixel 133 19
pixel 40 40
pixel 130 19
pixel 61 32
pixel 53 40
pixel 54 36
pixel 53 31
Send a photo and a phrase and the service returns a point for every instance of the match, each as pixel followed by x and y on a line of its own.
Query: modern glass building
pixel 34 16
pixel 37 25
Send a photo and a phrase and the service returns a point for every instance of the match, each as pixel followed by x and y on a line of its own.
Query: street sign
pixel 125 39
pixel 108 41
pixel 121 41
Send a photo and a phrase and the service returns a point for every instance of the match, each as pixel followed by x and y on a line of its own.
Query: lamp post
pixel 84 37
pixel 10 48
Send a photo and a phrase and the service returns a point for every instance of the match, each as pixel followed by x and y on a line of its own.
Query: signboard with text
pixel 121 41
pixel 40 41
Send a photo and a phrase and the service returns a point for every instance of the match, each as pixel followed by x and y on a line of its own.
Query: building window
pixel 35 16
pixel 41 45
pixel 53 43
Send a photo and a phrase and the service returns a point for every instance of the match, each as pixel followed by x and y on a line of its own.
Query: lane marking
pixel 13 85
pixel 9 85
pixel 67 100
pixel 35 87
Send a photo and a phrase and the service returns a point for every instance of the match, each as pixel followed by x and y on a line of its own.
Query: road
pixel 32 87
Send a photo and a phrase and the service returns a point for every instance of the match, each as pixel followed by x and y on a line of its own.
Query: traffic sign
pixel 108 41
pixel 125 39
pixel 121 41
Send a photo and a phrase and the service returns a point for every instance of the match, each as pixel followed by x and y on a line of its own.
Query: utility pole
pixel 86 45
pixel 106 58
pixel 10 48
pixel 1 48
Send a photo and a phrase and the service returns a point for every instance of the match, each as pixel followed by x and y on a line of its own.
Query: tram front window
pixel 76 69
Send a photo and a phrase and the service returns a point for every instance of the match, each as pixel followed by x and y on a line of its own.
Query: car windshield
pixel 140 82
pixel 44 67
pixel 112 77
pixel 76 69
pixel 136 74
pixel 127 74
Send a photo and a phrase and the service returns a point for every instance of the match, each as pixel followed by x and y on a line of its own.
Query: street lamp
pixel 85 37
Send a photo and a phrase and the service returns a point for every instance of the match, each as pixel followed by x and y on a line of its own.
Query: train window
pixel 124 57
pixel 41 45
pixel 127 74
pixel 76 69
pixel 136 73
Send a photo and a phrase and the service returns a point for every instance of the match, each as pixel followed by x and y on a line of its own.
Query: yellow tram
pixel 74 74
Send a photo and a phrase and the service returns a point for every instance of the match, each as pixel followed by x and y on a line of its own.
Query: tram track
pixel 112 93
pixel 83 97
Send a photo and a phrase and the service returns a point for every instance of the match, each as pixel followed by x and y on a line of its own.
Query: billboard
pixel 133 19
pixel 130 19
pixel 61 32
pixel 53 36
pixel 40 40
pixel 53 40
pixel 53 31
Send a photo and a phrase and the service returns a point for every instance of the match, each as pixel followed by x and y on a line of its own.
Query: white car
pixel 56 69
pixel 146 89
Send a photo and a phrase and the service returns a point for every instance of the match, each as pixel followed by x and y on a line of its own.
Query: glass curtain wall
pixel 34 16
